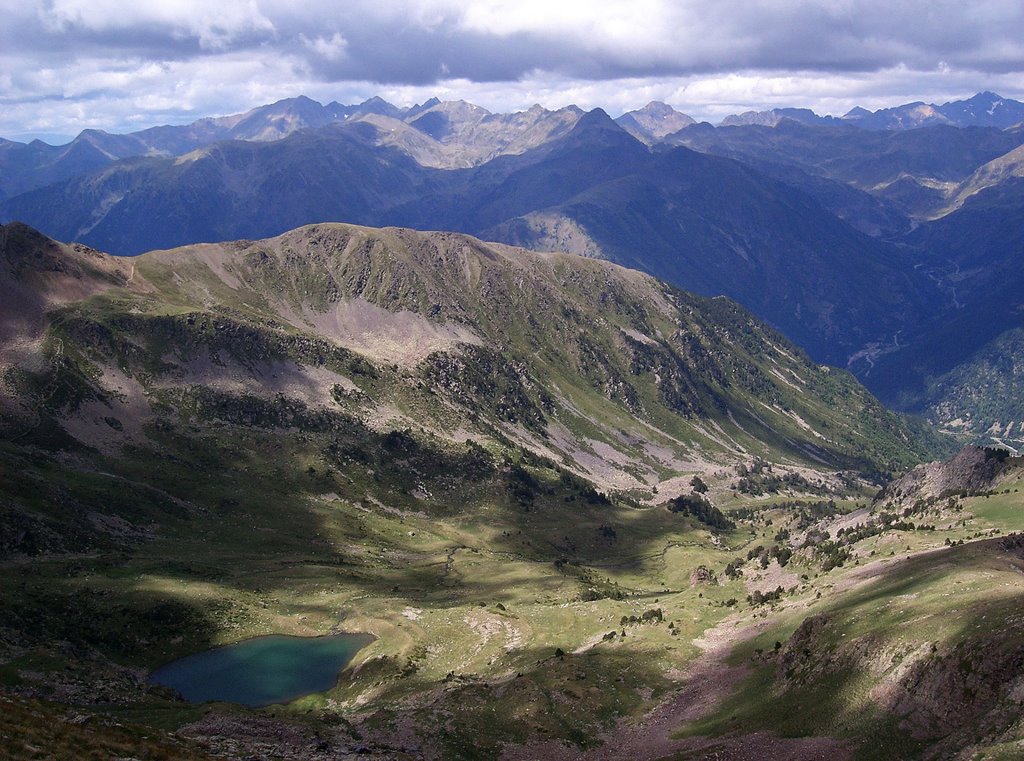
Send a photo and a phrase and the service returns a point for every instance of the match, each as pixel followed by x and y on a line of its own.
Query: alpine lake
pixel 263 670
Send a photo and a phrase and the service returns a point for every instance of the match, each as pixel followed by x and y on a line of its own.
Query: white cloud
pixel 68 64
pixel 617 26
pixel 333 48
pixel 214 24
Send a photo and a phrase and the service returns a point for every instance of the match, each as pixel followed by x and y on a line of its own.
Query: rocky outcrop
pixel 972 470
pixel 702 575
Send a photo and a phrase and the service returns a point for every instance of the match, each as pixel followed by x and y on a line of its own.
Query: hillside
pixel 542 482
pixel 467 449
pixel 960 367
pixel 226 191
pixel 972 471
pixel 700 375
pixel 703 223
pixel 717 226
pixel 914 171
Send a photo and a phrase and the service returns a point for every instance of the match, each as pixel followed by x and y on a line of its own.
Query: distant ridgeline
pixel 886 242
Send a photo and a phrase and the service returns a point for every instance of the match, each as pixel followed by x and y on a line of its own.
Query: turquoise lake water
pixel 264 670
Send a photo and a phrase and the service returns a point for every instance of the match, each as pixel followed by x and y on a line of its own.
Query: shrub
pixel 700 508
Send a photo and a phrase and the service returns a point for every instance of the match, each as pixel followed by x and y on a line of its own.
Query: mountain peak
pixel 597 122
pixel 658 107
pixel 23 248
pixel 419 108
pixel 776 117
pixel 654 121
pixel 986 95
pixel 300 102
pixel 596 115
pixel 15 231
pixel 984 109
pixel 58 271
pixel 377 105
pixel 757 118
pixel 376 102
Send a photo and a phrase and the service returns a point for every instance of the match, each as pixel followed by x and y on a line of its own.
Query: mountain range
pixel 868 247
pixel 430 383
pixel 470 134
pixel 986 109
pixel 708 224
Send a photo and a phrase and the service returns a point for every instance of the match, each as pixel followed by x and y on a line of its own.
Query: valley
pixel 575 507
pixel 449 380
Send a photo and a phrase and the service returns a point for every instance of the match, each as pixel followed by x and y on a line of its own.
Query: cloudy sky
pixel 66 65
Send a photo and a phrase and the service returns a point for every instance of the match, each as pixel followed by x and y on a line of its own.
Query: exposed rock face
pixel 654 121
pixel 702 575
pixel 971 684
pixel 973 469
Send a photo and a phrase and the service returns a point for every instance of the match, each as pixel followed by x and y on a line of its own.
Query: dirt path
pixel 877 568
pixel 706 681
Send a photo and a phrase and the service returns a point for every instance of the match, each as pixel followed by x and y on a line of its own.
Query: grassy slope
pixel 426 579
pixel 914 655
pixel 469 609
pixel 242 513
pixel 566 319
